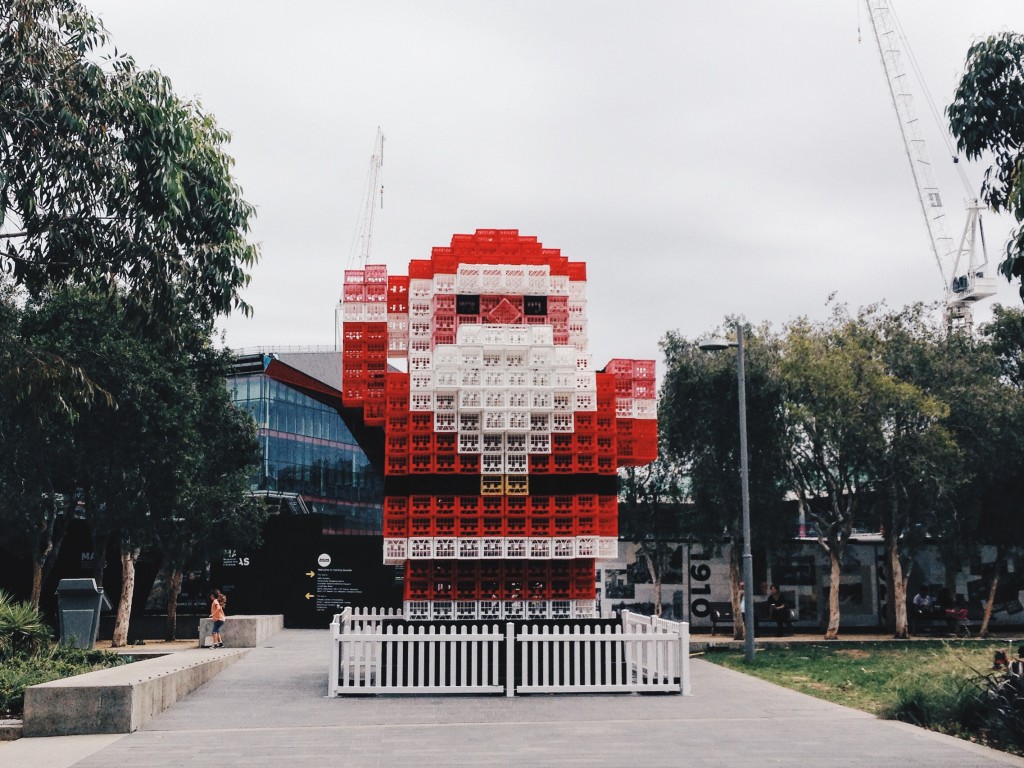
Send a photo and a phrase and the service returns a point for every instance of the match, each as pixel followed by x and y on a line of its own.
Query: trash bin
pixel 79 602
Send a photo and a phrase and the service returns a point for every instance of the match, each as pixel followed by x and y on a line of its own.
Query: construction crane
pixel 962 271
pixel 362 239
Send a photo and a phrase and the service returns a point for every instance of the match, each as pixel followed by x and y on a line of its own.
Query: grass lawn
pixel 869 676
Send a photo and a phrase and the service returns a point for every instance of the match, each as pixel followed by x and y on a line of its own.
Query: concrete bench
pixel 120 699
pixel 243 631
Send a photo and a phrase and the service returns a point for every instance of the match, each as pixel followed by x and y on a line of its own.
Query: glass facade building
pixel 308 449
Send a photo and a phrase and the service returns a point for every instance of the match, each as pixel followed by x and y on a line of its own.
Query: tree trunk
pixel 734 579
pixel 653 561
pixel 37 583
pixel 173 590
pixel 897 590
pixel 124 606
pixel 987 616
pixel 832 633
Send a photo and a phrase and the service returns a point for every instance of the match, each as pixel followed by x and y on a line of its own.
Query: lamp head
pixel 716 344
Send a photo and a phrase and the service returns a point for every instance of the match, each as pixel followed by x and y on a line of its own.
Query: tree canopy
pixel 987 117
pixel 107 177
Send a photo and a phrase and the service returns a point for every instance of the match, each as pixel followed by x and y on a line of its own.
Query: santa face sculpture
pixel 502 439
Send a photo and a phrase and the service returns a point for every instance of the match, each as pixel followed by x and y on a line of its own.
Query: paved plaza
pixel 270 710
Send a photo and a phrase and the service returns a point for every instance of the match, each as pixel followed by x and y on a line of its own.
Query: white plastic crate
pixel 396 550
pixel 492 279
pixel 517 335
pixel 518 420
pixel 516 357
pixel 558 285
pixel 577 290
pixel 354 312
pixel 514 277
pixel 490 610
pixel 444 283
pixel 469 333
pixel 624 407
pixel 469 421
pixel 421 548
pixel 518 398
pixel 467 278
pixel 564 401
pixel 420 361
pixel 442 610
pixel 419 329
pixel 563 381
pixel 586 546
pixel 469 442
pixel 492 547
pixel 421 401
pixel 513 610
pixel 541 357
pixel 561 609
pixel 540 422
pixel 419 345
pixel 584 609
pixel 518 378
pixel 541 400
pixel 469 377
pixel 538 280
pixel 420 288
pixel 586 401
pixel 541 335
pixel 494 378
pixel 516 464
pixel 494 398
pixel 562 421
pixel 447 356
pixel 563 547
pixel 445 379
pixel 469 399
pixel 541 379
pixel 469 548
pixel 376 312
pixel 444 401
pixel 469 356
pixel 421 381
pixel 493 358
pixel 492 464
pixel 585 362
pixel 398 345
pixel 445 421
pixel 538 609
pixel 586 381
pixel 516 547
pixel 514 443
pixel 645 409
pixel 420 311
pixel 540 442
pixel 467 610
pixel 445 547
pixel 494 443
pixel 416 610
pixel 540 548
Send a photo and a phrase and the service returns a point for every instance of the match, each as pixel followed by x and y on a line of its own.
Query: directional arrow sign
pixel 311 574
pixel 309 596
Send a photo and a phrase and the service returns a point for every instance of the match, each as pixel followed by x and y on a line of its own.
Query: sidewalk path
pixel 270 710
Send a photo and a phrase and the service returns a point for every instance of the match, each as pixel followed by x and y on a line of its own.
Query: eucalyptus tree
pixel 699 418
pixel 107 177
pixel 987 118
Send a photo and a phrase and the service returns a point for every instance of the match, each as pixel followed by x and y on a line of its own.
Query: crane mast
pixel 362 242
pixel 962 272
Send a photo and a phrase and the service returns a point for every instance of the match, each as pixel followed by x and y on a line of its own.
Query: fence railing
pixel 373 654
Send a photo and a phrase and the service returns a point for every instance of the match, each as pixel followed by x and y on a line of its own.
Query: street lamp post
pixel 748 560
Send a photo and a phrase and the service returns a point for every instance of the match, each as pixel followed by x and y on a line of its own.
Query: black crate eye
pixel 467 304
pixel 535 305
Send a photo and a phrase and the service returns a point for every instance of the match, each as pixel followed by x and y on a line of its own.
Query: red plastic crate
pixel 539 524
pixel 516 525
pixel 585 463
pixel 468 524
pixel 606 465
pixel 421 421
pixel 444 525
pixel 421 463
pixel 585 422
pixel 467 463
pixel 492 525
pixel 540 464
pixel 396 465
pixel 563 464
pixel 563 525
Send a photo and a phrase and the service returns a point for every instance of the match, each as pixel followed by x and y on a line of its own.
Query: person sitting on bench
pixel 778 609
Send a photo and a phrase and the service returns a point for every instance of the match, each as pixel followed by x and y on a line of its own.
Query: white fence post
pixel 510 660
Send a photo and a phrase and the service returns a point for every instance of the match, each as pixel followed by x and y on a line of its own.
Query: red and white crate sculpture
pixel 503 440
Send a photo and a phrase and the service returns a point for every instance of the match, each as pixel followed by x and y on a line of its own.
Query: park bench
pixel 721 613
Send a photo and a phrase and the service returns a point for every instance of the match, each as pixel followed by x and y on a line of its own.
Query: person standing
pixel 217 614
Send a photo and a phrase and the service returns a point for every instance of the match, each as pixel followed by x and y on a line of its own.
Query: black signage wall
pixel 307 576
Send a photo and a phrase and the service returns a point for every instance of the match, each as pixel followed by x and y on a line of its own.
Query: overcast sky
pixel 703 158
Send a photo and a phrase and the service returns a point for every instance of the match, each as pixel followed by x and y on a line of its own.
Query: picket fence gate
pixel 372 654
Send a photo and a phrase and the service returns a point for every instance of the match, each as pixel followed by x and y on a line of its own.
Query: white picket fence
pixel 369 655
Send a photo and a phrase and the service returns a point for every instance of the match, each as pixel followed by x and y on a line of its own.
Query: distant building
pixel 312 461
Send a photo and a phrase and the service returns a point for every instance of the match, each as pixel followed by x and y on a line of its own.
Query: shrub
pixel 22 628
pixel 52 662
